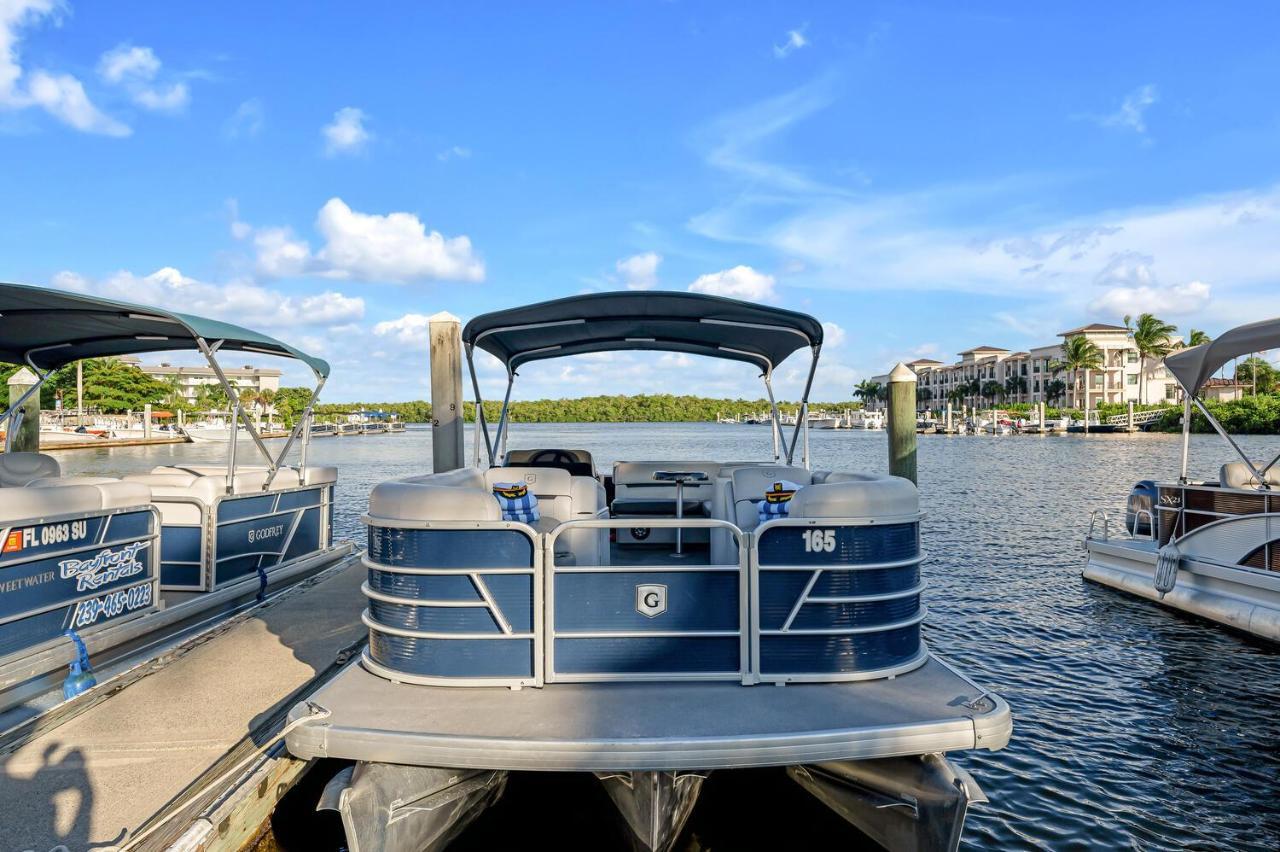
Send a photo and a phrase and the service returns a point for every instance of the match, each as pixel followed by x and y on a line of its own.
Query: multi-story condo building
pixel 1031 376
pixel 191 378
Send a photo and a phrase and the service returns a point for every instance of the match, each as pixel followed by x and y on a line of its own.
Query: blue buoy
pixel 80 678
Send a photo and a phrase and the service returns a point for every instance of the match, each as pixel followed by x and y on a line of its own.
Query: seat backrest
pixel 455 495
pixel 750 485
pixel 26 504
pixel 634 480
pixel 17 469
pixel 581 463
pixel 1237 475
pixel 857 495
pixel 552 486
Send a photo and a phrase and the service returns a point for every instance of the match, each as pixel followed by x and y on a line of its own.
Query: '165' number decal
pixel 819 541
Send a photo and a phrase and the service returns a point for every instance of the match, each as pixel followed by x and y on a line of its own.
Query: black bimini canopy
pixel 51 328
pixel 664 321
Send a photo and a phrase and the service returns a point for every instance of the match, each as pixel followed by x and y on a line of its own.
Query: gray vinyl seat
pixel 637 494
pixel 1237 475
pixel 17 469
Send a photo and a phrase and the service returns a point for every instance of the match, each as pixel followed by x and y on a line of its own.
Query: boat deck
pixel 96 778
pixel 602 727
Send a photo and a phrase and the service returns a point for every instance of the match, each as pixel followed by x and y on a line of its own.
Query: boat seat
pixel 638 494
pixel 562 497
pixel 1238 475
pixel 115 493
pixel 20 505
pixel 314 474
pixel 857 495
pixel 749 485
pixel 17 469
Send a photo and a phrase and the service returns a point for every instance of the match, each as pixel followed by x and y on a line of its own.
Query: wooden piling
pixel 26 439
pixel 445 331
pixel 902 422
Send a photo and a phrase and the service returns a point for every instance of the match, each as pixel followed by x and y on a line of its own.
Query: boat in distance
pixel 1210 548
pixel 648 624
pixel 94 568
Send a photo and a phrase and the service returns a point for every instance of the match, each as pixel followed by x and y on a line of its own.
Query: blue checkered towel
pixel 777 500
pixel 517 503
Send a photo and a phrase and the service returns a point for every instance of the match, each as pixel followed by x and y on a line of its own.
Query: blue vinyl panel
pixel 855 545
pixel 303 499
pixel 84 616
pixel 834 616
pixel 434 619
pixel 876 581
pixel 848 654
pixel 654 655
pixel 234 508
pixel 432 587
pixel 607 601
pixel 180 563
pixel 513 593
pixel 463 549
pixel 453 657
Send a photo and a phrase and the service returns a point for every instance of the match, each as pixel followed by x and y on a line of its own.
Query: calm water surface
pixel 1134 727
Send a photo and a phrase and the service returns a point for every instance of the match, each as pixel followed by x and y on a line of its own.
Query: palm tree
pixel 1198 338
pixel 1015 385
pixel 1079 353
pixel 1153 338
pixel 991 390
pixel 867 391
pixel 1055 390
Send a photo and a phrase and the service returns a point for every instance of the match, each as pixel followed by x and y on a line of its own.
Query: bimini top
pixel 664 321
pixel 1193 367
pixel 54 327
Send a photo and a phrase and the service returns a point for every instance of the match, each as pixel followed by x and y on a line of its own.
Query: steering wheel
pixel 552 457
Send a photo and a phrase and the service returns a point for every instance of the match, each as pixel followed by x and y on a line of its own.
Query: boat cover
pixel 55 327
pixel 1193 367
pixel 665 321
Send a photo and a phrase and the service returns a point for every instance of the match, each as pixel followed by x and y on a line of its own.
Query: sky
pixel 922 178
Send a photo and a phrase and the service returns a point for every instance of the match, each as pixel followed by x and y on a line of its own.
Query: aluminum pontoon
pixel 1210 548
pixel 642 626
pixel 95 570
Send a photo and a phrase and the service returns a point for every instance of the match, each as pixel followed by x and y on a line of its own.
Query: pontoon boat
pixel 94 567
pixel 1209 548
pixel 641 623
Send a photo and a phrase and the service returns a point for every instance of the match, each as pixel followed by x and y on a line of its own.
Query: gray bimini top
pixel 51 328
pixel 648 320
pixel 1193 367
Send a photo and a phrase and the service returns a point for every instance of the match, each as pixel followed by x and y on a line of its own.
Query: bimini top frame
pixel 47 329
pixel 653 321
pixel 1194 366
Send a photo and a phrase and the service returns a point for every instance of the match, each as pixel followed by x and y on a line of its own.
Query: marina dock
pixel 153 739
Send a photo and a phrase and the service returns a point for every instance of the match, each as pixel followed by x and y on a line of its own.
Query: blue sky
pixel 922 177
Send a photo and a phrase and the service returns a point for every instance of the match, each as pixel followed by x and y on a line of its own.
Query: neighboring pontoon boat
pixel 92 567
pixel 643 622
pixel 1208 548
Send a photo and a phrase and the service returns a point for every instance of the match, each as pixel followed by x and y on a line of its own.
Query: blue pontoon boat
pixel 93 568
pixel 649 623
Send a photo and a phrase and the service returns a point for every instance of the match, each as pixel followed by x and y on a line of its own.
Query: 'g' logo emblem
pixel 651 599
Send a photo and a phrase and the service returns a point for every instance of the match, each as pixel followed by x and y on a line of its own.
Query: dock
pixel 158 749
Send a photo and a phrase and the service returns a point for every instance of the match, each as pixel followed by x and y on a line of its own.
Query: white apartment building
pixel 1117 381
pixel 191 378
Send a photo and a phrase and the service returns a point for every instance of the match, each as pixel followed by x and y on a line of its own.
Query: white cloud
pixel 246 121
pixel 346 134
pixel 795 40
pixel 60 95
pixel 395 247
pixel 455 151
pixel 135 69
pixel 243 303
pixel 832 335
pixel 740 282
pixel 128 62
pixel 1177 300
pixel 1131 114
pixel 409 330
pixel 640 271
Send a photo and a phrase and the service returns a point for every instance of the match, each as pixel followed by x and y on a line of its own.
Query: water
pixel 1134 726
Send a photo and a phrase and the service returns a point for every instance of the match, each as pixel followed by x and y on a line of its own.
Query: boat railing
pixel 601 620
pixel 497 603
pixel 1137 514
pixel 1185 507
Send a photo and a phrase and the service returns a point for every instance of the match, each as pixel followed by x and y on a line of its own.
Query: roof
pixel 1093 326
pixel 923 362
pixel 55 327
pixel 982 349
pixel 657 321
pixel 1192 367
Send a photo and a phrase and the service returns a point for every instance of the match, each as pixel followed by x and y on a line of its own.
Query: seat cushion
pixel 1238 475
pixel 25 504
